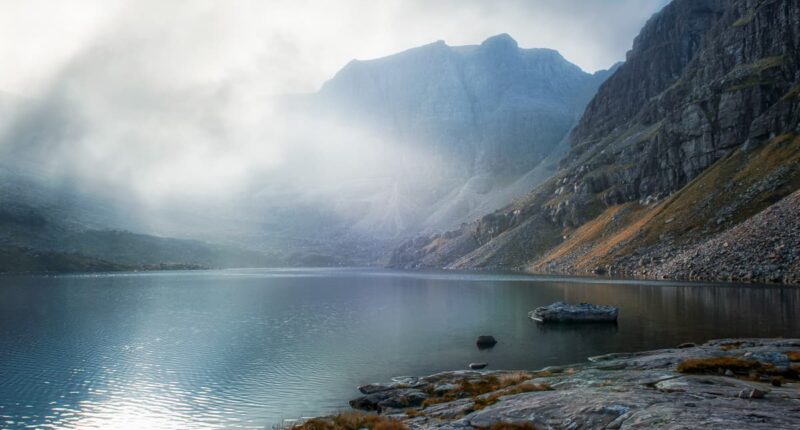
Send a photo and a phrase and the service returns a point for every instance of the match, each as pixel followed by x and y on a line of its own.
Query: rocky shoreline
pixel 722 384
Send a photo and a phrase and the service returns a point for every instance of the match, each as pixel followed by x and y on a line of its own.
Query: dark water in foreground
pixel 243 349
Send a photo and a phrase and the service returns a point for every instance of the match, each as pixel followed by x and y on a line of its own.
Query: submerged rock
pixel 565 312
pixel 485 342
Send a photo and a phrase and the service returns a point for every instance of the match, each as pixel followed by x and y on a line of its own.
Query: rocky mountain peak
pixel 480 106
pixel 500 41
pixel 484 116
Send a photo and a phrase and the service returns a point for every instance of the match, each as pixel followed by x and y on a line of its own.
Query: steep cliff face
pixel 728 94
pixel 660 54
pixel 707 83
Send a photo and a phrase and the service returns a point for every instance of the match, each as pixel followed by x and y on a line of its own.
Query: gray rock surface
pixel 565 312
pixel 624 391
pixel 389 399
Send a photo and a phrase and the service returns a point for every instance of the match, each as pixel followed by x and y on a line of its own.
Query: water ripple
pixel 246 349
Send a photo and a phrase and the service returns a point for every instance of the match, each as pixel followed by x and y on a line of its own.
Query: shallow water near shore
pixel 247 348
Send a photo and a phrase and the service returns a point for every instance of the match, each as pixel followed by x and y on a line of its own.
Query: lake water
pixel 246 348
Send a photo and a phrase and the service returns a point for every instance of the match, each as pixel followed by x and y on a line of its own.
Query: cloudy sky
pixel 291 45
pixel 165 97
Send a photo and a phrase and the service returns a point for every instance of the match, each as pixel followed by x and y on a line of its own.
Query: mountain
pixel 51 226
pixel 433 137
pixel 683 149
pixel 482 123
pixel 492 108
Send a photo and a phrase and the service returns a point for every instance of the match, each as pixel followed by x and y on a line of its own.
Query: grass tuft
pixel 713 364
pixel 351 421
pixel 793 355
pixel 792 94
pixel 747 19
pixel 513 378
pixel 413 413
pixel 487 390
pixel 730 346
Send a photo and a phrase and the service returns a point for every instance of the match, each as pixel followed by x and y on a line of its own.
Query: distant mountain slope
pixel 140 250
pixel 694 134
pixel 52 227
pixel 25 260
pixel 488 118
pixel 492 108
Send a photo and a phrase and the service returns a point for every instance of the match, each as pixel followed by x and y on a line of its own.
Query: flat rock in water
pixel 565 312
pixel 476 366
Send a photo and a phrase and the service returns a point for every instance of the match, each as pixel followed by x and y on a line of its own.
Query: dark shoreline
pixel 578 277
pixel 588 276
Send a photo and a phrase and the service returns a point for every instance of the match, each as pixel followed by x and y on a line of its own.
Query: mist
pixel 177 111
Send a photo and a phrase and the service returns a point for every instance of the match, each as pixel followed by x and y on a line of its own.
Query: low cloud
pixel 170 102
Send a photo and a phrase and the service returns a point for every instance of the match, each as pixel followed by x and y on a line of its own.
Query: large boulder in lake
pixel 565 312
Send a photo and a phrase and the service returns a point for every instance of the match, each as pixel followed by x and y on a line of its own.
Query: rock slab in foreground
pixel 565 312
pixel 618 391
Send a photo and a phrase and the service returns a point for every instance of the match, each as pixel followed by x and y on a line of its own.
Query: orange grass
pixel 707 365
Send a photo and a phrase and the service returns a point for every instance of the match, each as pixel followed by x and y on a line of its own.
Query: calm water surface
pixel 246 348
